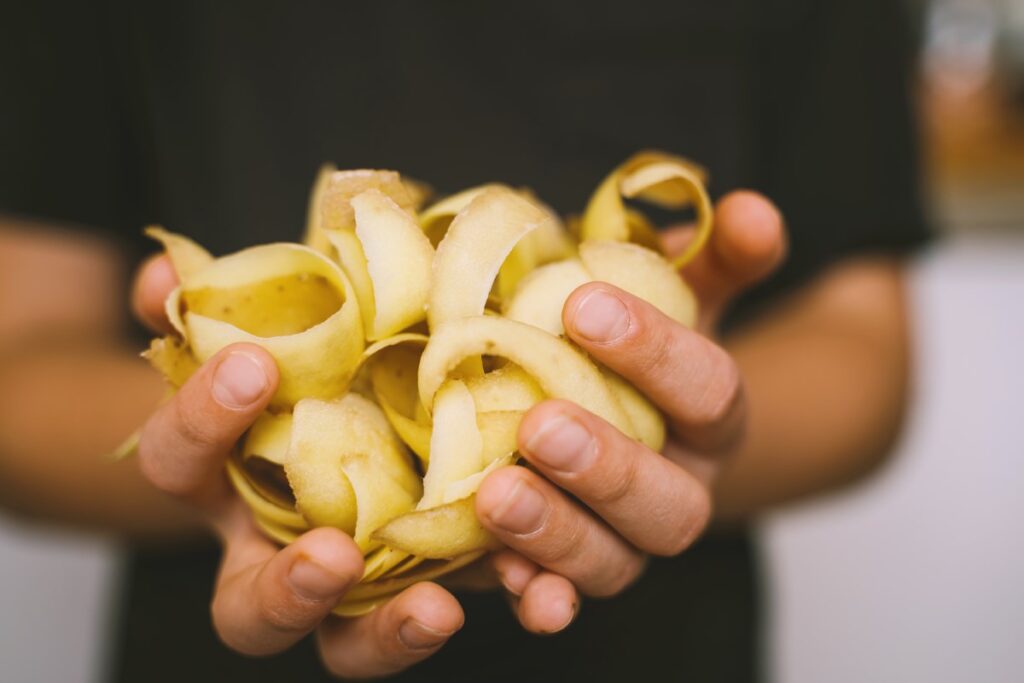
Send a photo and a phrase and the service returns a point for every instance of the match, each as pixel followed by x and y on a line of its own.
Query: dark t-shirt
pixel 211 118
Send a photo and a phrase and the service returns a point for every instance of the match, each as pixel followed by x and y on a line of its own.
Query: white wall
pixel 918 575
pixel 56 600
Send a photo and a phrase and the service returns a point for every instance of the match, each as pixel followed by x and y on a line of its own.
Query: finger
pixel 406 630
pixel 268 599
pixel 748 243
pixel 689 377
pixel 549 604
pixel 153 282
pixel 514 571
pixel 534 518
pixel 478 576
pixel 184 444
pixel 655 504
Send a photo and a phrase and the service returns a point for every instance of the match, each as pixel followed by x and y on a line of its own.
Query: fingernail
pixel 239 380
pixel 601 317
pixel 522 511
pixel 417 636
pixel 569 610
pixel 563 443
pixel 313 581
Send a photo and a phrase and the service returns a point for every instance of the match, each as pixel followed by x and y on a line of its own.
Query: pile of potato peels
pixel 411 341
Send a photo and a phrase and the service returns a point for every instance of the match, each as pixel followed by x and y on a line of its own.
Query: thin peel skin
pixel 656 177
pixel 398 260
pixel 473 250
pixel 561 370
pixel 314 361
pixel 411 341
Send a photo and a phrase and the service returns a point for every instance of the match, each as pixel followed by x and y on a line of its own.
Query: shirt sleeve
pixel 839 148
pixel 68 152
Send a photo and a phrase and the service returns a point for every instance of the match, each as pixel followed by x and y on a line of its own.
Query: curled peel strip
pixel 662 179
pixel 390 442
pixel 287 298
pixel 561 370
pixel 477 243
pixel 357 483
pixel 388 259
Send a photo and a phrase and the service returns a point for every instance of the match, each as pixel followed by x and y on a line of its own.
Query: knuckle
pixel 686 531
pixel 621 577
pixel 619 482
pixel 156 471
pixel 226 633
pixel 191 428
pixel 723 391
pixel 149 463
pixel 280 614
pixel 335 662
pixel 669 544
pixel 563 542
pixel 652 342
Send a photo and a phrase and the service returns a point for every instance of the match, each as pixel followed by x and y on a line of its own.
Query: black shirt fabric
pixel 211 118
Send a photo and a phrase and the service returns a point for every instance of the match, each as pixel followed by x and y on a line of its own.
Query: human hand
pixel 599 502
pixel 267 598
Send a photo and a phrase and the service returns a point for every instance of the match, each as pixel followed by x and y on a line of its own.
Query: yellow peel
pixel 561 370
pixel 438 533
pixel 545 244
pixel 367 597
pixel 186 256
pixel 643 415
pixel 268 438
pixel 314 360
pixel 548 242
pixel 267 509
pixel 314 236
pixel 323 491
pixel 348 251
pixel 336 212
pixel 398 260
pixel 282 535
pixel 498 430
pixel 674 185
pixel 383 561
pixel 642 273
pixel 353 484
pixel 456 447
pixel 507 388
pixel 459 490
pixel 435 219
pixel 332 448
pixel 541 295
pixel 379 497
pixel 663 179
pixel 472 251
pixel 393 364
pixel 172 358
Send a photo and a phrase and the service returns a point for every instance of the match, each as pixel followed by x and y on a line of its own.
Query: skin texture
pixel 804 400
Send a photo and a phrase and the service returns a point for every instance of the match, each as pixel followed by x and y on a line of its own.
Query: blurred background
pixel 915 574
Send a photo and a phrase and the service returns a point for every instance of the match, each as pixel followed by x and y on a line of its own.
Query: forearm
pixel 65 405
pixel 70 392
pixel 826 380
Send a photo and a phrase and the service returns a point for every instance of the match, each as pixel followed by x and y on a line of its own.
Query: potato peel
pixel 477 243
pixel 406 369
pixel 662 179
pixel 561 370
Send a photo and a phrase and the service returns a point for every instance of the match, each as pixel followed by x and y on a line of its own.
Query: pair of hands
pixel 582 522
